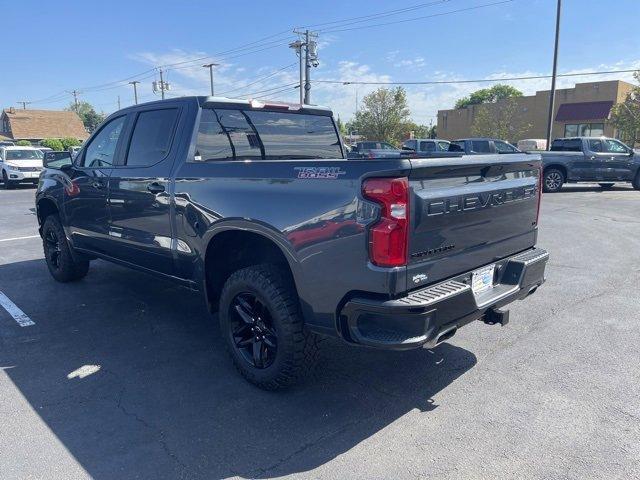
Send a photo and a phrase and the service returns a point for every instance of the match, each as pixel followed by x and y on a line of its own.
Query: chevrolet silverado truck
pixel 255 205
pixel 590 159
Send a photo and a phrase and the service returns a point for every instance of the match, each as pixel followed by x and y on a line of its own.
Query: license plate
pixel 482 279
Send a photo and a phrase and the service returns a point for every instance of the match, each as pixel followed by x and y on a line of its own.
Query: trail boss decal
pixel 325 173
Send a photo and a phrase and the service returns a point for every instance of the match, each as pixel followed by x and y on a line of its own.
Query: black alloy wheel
pixel 52 248
pixel 252 330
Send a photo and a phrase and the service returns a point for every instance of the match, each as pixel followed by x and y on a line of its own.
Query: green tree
pixel 489 95
pixel 625 116
pixel 501 120
pixel 69 142
pixel 90 118
pixel 419 131
pixel 53 144
pixel 23 143
pixel 383 116
pixel 342 128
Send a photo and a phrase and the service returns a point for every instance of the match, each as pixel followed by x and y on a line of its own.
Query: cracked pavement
pixel 553 395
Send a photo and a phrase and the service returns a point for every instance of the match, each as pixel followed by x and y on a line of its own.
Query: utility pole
pixel 75 94
pixel 135 90
pixel 118 102
pixel 161 85
pixel 297 46
pixel 552 97
pixel 310 60
pixel 24 104
pixel 210 67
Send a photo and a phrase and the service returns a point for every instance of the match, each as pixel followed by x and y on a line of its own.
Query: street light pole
pixel 210 67
pixel 135 90
pixel 552 96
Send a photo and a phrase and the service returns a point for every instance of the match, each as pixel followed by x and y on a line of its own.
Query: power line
pixel 375 16
pixel 260 79
pixel 480 80
pixel 459 10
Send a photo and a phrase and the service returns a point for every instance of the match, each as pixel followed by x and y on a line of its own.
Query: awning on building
pixel 584 111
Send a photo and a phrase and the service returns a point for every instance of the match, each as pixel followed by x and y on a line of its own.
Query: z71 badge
pixel 325 173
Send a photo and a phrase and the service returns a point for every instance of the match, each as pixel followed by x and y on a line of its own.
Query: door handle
pixel 155 187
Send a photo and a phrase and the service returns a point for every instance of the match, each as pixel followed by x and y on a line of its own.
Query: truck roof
pixel 256 104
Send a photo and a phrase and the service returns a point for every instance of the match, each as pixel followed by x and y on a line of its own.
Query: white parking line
pixel 17 314
pixel 18 238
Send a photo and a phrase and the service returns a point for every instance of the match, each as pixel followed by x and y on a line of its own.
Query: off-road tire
pixel 552 180
pixel 297 348
pixel 57 253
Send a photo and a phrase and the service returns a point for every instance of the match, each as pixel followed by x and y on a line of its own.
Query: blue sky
pixel 53 47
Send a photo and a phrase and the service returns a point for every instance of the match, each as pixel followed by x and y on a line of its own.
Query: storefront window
pixel 584 130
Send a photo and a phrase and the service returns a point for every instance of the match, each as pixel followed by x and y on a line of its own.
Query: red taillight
pixel 388 237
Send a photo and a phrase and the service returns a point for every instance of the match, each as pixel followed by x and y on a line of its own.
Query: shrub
pixel 69 142
pixel 52 143
pixel 23 143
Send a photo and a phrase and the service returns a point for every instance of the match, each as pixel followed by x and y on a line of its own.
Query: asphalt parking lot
pixel 124 376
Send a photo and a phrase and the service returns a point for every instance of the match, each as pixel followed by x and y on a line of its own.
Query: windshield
pixel 24 154
pixel 227 134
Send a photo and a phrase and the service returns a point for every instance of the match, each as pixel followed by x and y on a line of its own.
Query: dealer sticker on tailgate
pixel 482 279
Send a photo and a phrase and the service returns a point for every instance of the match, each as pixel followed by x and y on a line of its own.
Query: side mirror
pixel 57 160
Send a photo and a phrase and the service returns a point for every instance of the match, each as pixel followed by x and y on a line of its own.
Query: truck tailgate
pixel 470 212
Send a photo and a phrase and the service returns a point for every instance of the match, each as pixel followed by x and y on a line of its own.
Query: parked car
pixel 532 144
pixel 374 150
pixel 590 159
pixel 482 146
pixel 6 143
pixel 287 239
pixel 428 148
pixel 426 145
pixel 19 164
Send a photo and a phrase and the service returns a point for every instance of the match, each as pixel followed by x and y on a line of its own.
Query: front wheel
pixel 553 180
pixel 263 327
pixel 8 184
pixel 57 253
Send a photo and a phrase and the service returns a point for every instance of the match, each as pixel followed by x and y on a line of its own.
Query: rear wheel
pixel 57 253
pixel 263 327
pixel 606 186
pixel 636 181
pixel 553 180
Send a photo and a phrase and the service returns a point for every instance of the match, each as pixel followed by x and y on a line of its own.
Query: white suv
pixel 20 164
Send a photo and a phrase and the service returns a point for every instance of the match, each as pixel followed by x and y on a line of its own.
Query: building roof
pixel 584 111
pixel 39 124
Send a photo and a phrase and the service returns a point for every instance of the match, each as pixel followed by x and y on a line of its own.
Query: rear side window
pixel 567 145
pixel 456 147
pixel 480 146
pixel 264 135
pixel 152 136
pixel 427 146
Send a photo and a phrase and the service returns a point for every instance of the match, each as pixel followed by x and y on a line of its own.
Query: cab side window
pixel 152 136
pixel 595 145
pixel 101 150
pixel 480 146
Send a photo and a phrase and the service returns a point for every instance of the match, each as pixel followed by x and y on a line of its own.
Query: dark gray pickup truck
pixel 255 205
pixel 590 159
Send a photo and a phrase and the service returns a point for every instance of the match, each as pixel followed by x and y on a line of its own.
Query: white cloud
pixel 424 100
